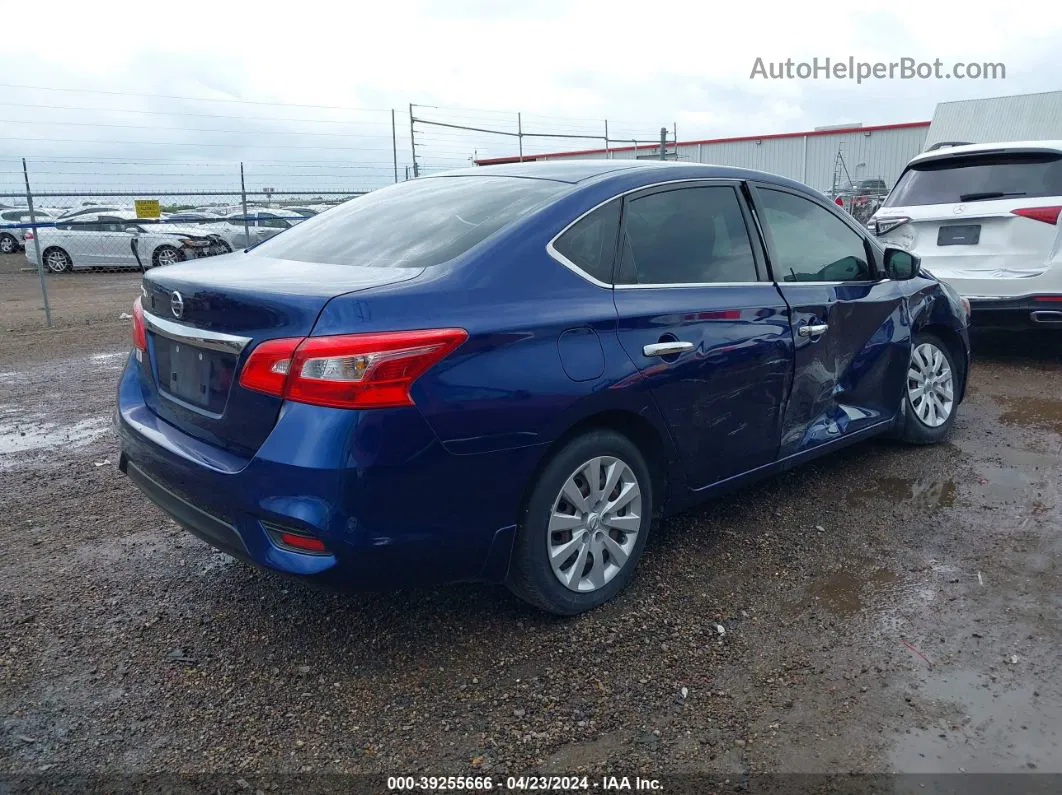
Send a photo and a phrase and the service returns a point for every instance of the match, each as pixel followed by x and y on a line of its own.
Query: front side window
pixel 686 236
pixel 590 244
pixel 811 244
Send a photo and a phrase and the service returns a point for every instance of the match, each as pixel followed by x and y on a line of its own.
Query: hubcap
pixel 594 524
pixel 167 257
pixel 930 386
pixel 7 244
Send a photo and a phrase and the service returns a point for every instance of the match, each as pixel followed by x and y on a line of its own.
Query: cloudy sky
pixel 178 94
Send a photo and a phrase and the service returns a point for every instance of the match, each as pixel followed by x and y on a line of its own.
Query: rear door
pixel 80 238
pixel 980 215
pixel 849 324
pixel 704 326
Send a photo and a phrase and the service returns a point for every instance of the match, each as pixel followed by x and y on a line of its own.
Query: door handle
pixel 667 348
pixel 813 330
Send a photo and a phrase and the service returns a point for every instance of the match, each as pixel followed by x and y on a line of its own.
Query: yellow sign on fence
pixel 148 208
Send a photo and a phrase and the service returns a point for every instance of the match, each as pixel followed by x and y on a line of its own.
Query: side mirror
pixel 901 265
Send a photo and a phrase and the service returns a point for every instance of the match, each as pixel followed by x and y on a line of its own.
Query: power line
pixel 192 99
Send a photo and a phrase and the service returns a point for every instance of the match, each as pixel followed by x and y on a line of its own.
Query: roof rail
pixel 946 144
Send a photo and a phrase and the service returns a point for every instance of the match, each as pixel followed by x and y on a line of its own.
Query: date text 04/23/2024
pixel 521 784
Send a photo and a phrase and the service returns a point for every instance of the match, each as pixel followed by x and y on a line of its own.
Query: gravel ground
pixel 884 609
pixel 76 299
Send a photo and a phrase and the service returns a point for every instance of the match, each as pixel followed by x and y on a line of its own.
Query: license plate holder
pixel 959 235
pixel 189 374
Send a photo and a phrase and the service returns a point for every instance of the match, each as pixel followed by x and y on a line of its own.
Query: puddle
pixel 923 494
pixel 1003 484
pixel 846 592
pixel 1036 412
pixel 114 359
pixel 981 726
pixel 20 435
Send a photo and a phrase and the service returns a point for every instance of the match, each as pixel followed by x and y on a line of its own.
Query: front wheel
pixel 585 525
pixel 165 255
pixel 929 404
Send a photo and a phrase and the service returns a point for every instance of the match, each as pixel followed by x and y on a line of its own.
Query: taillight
pixel 267 368
pixel 355 371
pixel 139 332
pixel 1048 298
pixel 1049 215
pixel 27 235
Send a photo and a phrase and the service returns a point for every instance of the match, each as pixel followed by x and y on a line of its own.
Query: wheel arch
pixel 956 348
pixel 57 247
pixel 650 440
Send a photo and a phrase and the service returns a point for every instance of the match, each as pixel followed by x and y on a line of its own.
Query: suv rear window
pixel 413 224
pixel 978 178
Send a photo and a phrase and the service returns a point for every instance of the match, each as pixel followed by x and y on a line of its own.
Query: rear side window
pixel 414 224
pixel 811 244
pixel 978 178
pixel 590 244
pixel 686 236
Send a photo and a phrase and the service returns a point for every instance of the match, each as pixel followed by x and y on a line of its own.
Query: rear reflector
pixel 306 543
pixel 353 371
pixel 1049 215
pixel 139 332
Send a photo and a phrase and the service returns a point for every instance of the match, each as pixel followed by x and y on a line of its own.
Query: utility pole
pixel 394 143
pixel 520 136
pixel 663 143
pixel 608 152
pixel 413 143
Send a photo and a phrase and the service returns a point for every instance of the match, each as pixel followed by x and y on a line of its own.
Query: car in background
pixel 262 224
pixel 305 212
pixel 506 373
pixel 985 219
pixel 15 223
pixel 118 240
pixel 91 209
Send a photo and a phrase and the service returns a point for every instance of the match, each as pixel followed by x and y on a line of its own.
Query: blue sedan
pixel 507 374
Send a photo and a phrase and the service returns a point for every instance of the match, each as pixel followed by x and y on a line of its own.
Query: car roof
pixel 576 171
pixel 1001 147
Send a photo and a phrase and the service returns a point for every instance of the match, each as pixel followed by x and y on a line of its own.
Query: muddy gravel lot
pixel 885 609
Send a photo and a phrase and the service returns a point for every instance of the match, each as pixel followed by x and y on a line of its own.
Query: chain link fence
pixel 70 257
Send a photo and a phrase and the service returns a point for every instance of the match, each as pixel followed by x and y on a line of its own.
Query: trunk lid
pixel 203 318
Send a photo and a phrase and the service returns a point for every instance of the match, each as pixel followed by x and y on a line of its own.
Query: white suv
pixel 985 219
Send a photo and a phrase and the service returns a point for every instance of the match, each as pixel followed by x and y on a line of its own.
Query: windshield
pixel 978 178
pixel 413 224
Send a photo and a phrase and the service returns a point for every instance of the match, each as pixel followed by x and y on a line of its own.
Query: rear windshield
pixel 413 224
pixel 978 178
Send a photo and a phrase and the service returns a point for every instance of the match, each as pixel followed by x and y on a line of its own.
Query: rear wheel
pixel 585 525
pixel 57 261
pixel 8 244
pixel 929 398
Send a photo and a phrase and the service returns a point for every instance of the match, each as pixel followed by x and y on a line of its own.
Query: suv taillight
pixel 1049 215
pixel 351 371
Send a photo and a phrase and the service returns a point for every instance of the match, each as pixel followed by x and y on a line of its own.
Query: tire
pixel 165 255
pixel 602 574
pixel 920 416
pixel 8 244
pixel 57 261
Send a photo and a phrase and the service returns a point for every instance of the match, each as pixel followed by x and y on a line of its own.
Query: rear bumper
pixel 391 505
pixel 1025 312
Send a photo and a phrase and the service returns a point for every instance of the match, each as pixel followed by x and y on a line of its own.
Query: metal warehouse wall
pixel 1026 117
pixel 809 158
